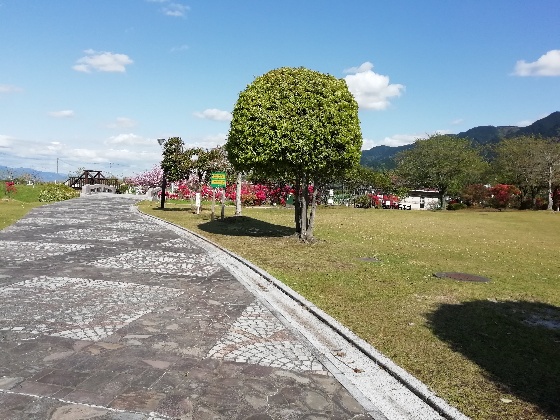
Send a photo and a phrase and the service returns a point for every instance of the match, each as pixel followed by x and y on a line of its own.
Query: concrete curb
pixel 414 385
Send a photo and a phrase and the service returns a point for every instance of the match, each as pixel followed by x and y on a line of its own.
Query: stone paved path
pixel 106 315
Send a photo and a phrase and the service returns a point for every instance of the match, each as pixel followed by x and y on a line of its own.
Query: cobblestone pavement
pixel 106 315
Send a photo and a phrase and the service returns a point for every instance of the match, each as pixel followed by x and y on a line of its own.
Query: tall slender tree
pixel 171 164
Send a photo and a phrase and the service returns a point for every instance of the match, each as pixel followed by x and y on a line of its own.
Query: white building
pixel 425 199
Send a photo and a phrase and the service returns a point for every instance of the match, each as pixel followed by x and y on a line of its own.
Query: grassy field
pixel 14 206
pixel 491 349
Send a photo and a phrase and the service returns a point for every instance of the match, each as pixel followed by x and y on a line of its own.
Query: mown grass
pixel 16 205
pixel 481 346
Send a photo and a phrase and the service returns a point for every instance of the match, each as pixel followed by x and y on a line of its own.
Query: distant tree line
pixel 527 166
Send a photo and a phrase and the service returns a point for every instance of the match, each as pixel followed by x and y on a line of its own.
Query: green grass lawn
pixel 484 347
pixel 15 206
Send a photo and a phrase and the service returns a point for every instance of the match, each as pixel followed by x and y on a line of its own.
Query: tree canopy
pixel 442 162
pixel 299 125
pixel 529 162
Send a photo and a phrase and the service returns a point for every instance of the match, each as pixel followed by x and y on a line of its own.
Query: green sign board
pixel 218 180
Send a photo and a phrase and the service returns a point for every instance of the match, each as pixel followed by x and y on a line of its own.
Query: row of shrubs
pixel 57 192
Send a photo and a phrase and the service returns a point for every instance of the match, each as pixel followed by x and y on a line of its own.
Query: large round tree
pixel 299 126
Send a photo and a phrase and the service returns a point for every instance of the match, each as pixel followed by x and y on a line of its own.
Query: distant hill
pixel 380 157
pixel 488 133
pixel 7 173
pixel 546 127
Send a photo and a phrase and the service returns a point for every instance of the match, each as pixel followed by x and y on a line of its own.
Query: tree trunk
pixel 213 203
pixel 297 206
pixel 223 203
pixel 312 214
pixel 304 201
pixel 163 188
pixel 550 173
pixel 534 192
pixel 238 194
pixel 441 199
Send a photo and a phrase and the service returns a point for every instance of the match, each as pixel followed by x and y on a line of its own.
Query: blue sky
pixel 94 84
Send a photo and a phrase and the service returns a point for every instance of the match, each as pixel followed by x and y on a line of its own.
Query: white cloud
pixel 207 142
pixel 179 48
pixel 398 140
pixel 122 122
pixel 68 113
pixel 102 61
pixel 175 10
pixel 172 8
pixel 547 65
pixel 457 121
pixel 525 123
pixel 371 90
pixel 5 141
pixel 130 139
pixel 127 155
pixel 10 89
pixel 214 114
pixel 393 141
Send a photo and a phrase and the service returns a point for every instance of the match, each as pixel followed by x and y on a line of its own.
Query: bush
pixel 57 192
pixel 123 188
pixel 456 206
pixel 503 195
pixel 363 201
pixel 10 189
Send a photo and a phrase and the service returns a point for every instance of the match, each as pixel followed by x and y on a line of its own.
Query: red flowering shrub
pixel 502 195
pixel 10 188
pixel 390 201
pixel 186 191
pixel 279 195
pixel 251 194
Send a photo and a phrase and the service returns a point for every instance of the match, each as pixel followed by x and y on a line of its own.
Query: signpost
pixel 218 180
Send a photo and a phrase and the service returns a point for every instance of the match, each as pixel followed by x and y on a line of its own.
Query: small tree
pixel 443 162
pixel 172 164
pixel 297 125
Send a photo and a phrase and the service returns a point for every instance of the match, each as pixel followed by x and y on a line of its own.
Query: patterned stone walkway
pixel 106 315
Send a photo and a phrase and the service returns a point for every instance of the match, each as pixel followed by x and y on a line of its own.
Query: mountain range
pixel 383 156
pixel 35 175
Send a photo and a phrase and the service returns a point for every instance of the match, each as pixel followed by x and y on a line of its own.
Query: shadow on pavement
pixel 516 343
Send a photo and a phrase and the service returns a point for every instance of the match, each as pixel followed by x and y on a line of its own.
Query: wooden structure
pixel 90 177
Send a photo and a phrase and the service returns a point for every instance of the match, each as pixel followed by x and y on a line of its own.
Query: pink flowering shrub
pixel 148 179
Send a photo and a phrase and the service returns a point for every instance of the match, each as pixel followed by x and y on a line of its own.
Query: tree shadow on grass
pixel 516 343
pixel 237 225
pixel 245 226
